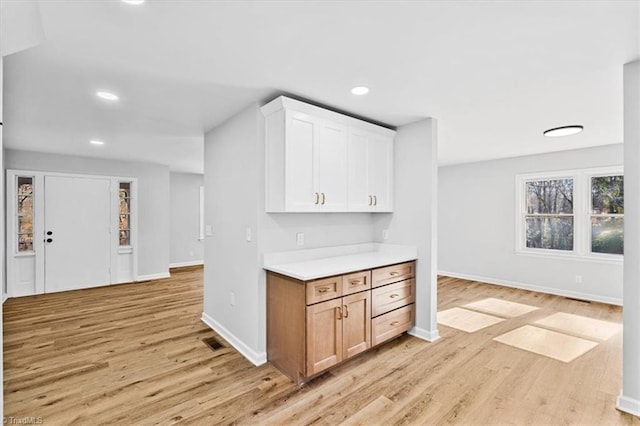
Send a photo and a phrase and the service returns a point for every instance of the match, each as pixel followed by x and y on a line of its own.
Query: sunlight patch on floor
pixel 546 342
pixel 466 320
pixel 581 326
pixel 500 307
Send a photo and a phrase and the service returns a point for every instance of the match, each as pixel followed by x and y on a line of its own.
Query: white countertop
pixel 318 263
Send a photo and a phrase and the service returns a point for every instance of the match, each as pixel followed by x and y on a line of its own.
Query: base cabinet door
pixel 356 324
pixel 324 335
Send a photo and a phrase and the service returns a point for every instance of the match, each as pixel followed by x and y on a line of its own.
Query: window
pixel 573 213
pixel 25 214
pixel 125 214
pixel 607 214
pixel 549 218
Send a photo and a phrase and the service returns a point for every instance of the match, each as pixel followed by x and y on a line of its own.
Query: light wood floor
pixel 132 354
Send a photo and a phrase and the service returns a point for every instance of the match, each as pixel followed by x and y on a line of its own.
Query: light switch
pixel 248 234
pixel 208 230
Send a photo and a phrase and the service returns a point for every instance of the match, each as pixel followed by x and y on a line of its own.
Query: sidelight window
pixel 125 214
pixel 25 213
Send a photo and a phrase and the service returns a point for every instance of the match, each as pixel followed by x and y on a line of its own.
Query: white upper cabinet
pixel 370 171
pixel 321 161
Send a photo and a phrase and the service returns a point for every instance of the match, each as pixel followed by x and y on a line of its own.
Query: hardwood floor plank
pixel 133 354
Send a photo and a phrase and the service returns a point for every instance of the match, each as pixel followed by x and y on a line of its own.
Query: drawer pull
pixel 393 324
pixel 323 289
pixel 394 273
pixel 346 311
pixel 394 295
pixel 370 200
pixel 356 282
pixel 316 197
pixel 339 313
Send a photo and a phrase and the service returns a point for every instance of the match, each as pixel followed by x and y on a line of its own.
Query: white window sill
pixel 25 254
pixel 125 249
pixel 613 259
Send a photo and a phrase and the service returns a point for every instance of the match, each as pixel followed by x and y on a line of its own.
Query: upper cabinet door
pixel 331 154
pixel 370 172
pixel 360 199
pixel 302 134
pixel 380 162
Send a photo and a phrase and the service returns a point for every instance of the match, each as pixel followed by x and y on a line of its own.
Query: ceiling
pixel 495 74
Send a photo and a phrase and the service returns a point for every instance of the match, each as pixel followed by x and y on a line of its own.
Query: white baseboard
pixel 628 405
pixel 539 289
pixel 4 298
pixel 187 263
pixel 421 333
pixel 153 276
pixel 257 358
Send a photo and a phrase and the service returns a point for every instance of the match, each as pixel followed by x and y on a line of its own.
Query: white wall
pixel 414 220
pixel 629 399
pixel 153 197
pixel 477 224
pixel 186 247
pixel 234 200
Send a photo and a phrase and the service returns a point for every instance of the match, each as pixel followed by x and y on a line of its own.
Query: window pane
pixel 125 238
pixel 550 196
pixel 607 235
pixel 607 195
pixel 550 232
pixel 25 225
pixel 25 204
pixel 124 221
pixel 25 242
pixel 25 185
pixel 125 188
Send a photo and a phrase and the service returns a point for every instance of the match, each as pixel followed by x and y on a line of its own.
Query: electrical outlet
pixel 300 238
pixel 232 298
pixel 248 234
pixel 578 279
pixel 385 234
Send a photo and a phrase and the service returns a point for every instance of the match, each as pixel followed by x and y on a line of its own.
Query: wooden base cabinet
pixel 314 325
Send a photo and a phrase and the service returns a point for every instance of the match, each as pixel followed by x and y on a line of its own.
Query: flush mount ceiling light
pixel 360 90
pixel 135 2
pixel 563 131
pixel 107 95
pixel 96 142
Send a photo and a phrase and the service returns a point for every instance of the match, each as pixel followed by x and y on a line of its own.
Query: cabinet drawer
pixel 391 324
pixel 358 281
pixel 324 289
pixel 392 296
pixel 393 273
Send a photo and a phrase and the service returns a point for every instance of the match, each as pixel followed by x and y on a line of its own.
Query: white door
pixel 77 233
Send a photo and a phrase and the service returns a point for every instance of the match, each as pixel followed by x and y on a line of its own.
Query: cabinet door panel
pixel 380 155
pixel 331 151
pixel 356 323
pixel 299 177
pixel 359 196
pixel 324 335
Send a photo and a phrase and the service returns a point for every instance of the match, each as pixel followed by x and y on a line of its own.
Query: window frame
pixel 17 216
pixel 581 214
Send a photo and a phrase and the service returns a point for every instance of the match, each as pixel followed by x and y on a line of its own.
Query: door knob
pixel 48 240
pixel 49 232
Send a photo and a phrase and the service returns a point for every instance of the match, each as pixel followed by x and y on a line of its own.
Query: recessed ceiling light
pixel 136 2
pixel 107 95
pixel 95 142
pixel 360 90
pixel 563 131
